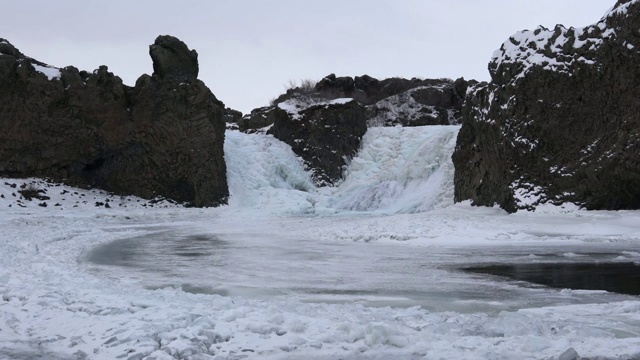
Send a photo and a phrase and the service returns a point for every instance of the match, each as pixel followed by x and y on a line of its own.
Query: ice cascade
pixel 397 170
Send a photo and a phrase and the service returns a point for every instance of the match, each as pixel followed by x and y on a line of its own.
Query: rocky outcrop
pixel 389 102
pixel 432 102
pixel 259 120
pixel 368 90
pixel 172 59
pixel 232 116
pixel 324 134
pixel 163 137
pixel 560 120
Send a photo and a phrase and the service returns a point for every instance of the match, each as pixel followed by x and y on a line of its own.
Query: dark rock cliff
pixel 163 137
pixel 560 120
pixel 397 101
pixel 428 102
pixel 325 135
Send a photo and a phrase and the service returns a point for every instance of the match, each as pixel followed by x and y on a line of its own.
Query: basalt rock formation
pixel 368 90
pixel 388 102
pixel 559 121
pixel 325 135
pixel 163 137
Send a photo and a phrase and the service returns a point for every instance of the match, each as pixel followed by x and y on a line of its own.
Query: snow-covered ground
pixel 366 270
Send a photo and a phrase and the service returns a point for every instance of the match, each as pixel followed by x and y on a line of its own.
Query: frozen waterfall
pixel 397 170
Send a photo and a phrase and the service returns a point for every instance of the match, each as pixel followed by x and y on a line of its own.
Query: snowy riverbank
pixel 304 275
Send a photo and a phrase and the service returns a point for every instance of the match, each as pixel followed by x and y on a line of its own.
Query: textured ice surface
pixel 286 272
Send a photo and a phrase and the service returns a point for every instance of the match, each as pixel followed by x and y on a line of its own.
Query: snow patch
pixel 296 105
pixel 50 71
pixel 527 194
pixel 620 10
pixel 553 50
pixel 34 194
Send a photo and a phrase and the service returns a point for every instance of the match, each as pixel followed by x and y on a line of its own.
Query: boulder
pixel 172 58
pixel 163 137
pixel 232 116
pixel 560 120
pixel 259 120
pixel 332 87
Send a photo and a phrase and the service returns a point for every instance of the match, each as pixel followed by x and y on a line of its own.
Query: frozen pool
pixel 374 274
pixel 618 277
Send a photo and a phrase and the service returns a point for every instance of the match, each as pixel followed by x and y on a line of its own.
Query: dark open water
pixel 623 278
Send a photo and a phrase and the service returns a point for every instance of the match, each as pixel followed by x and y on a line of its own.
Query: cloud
pixel 250 48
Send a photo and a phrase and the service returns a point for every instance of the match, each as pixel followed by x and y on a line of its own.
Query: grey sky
pixel 248 49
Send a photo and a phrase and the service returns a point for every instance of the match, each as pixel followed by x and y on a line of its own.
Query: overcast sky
pixel 248 49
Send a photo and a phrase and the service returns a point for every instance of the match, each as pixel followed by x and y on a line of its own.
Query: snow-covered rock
pixel 389 102
pixel 559 121
pixel 436 103
pixel 326 134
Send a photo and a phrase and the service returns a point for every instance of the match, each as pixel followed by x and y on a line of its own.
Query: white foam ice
pixel 399 170
pixel 263 172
